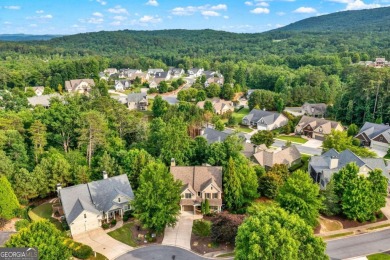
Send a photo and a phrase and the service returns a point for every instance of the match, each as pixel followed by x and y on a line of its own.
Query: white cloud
pixel 94 20
pixel 12 7
pixel 118 10
pixel 102 2
pixel 305 10
pixel 260 10
pixel 152 3
pixel 150 19
pixel 226 17
pixel 120 18
pixel 264 4
pixel 357 4
pixel 209 10
pixel 7 23
pixel 210 13
pixel 47 16
pixel 248 3
pixel 97 14
pixel 39 11
pixel 281 13
pixel 116 23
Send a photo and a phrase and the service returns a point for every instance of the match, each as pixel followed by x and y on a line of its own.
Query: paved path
pixel 4 236
pixel 160 253
pixel 103 243
pixel 180 235
pixel 361 245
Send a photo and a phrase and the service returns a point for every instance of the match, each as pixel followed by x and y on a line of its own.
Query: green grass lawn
pixel 380 256
pixel 44 211
pixel 293 139
pixel 98 257
pixel 124 235
pixel 338 235
pixel 239 115
pixel 380 226
pixel 226 255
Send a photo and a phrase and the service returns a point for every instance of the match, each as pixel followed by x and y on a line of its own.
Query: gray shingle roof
pixel 96 197
pixel 213 135
pixel 43 100
pixel 136 97
pixel 255 115
pixel 373 130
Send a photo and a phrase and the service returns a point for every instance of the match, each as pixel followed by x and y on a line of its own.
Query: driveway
pixel 103 243
pixel 180 235
pixel 160 253
pixel 4 236
pixel 313 143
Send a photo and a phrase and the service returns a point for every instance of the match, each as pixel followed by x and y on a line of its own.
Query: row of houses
pixel 378 63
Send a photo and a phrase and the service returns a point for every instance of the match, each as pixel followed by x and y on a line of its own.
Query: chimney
pixel 334 162
pixel 173 162
pixel 58 187
pixel 105 175
pixel 254 148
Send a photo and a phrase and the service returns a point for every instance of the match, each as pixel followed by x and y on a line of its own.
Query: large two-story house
pixel 87 206
pixel 316 128
pixel 199 183
pixel 137 101
pixel 267 157
pixel 220 106
pixel 79 85
pixel 322 168
pixel 264 120
pixel 376 136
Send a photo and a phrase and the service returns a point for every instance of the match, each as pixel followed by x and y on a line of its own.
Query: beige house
pixel 264 120
pixel 199 183
pixel 87 206
pixel 38 90
pixel 79 85
pixel 220 106
pixel 137 101
pixel 269 157
pixel 316 128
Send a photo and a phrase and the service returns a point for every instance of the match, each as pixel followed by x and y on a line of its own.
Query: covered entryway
pixel 188 208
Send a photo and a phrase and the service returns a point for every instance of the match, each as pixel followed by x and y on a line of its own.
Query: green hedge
pixel 79 250
pixel 21 224
pixel 201 228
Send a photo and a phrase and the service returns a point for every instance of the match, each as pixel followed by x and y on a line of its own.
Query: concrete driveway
pixel 4 236
pixel 313 143
pixel 180 235
pixel 103 243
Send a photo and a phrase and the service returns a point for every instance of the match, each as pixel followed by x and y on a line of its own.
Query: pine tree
pixel 9 204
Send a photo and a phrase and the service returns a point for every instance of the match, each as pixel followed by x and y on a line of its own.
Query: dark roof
pixel 136 97
pixel 373 130
pixel 255 115
pixel 213 135
pixel 161 75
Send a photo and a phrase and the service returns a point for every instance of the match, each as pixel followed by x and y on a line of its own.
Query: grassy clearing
pixel 293 139
pixel 380 226
pixel 226 255
pixel 44 211
pixel 239 115
pixel 380 256
pixel 338 235
pixel 124 235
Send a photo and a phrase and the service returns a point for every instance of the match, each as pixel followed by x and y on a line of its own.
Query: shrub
pixel 105 226
pixel 225 226
pixel 127 215
pixel 201 228
pixel 113 222
pixel 65 225
pixel 21 224
pixel 379 215
pixel 79 250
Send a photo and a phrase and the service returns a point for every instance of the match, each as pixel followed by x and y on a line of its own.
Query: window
pixel 119 199
pixel 208 195
pixel 215 195
pixel 188 195
pixel 85 215
pixel 211 188
pixel 199 194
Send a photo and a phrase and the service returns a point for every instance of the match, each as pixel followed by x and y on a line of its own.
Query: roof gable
pixel 197 176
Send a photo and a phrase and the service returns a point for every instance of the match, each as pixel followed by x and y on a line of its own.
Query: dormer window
pixel 211 187
pixel 188 195
pixel 85 215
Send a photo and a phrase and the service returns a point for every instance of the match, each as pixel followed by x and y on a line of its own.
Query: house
pixel 316 110
pixel 121 85
pixel 79 85
pixel 217 79
pixel 142 76
pixel 220 106
pixel 43 100
pixel 196 72
pixel 322 168
pixel 153 84
pixel 376 136
pixel 378 63
pixel 199 183
pixel 38 90
pixel 87 206
pixel 110 71
pixel 269 157
pixel 176 72
pixel 120 99
pixel 152 72
pixel 137 101
pixel 128 73
pixel 316 128
pixel 161 76
pixel 264 120
pixel 212 135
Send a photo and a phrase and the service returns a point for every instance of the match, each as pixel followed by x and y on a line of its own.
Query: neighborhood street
pixel 160 253
pixel 360 245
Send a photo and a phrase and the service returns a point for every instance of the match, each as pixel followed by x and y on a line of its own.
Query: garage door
pixel 379 146
pixel 188 208
pixel 318 137
pixel 80 227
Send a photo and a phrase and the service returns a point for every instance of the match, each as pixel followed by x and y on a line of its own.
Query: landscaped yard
pixel 303 165
pixel 239 115
pixel 44 211
pixel 98 257
pixel 380 256
pixel 124 235
pixel 293 139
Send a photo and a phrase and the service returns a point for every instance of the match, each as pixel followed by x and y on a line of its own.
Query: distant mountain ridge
pixel 26 37
pixel 377 19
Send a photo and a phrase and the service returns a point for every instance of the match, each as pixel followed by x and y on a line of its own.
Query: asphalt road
pixel 302 149
pixel 361 245
pixel 4 237
pixel 160 253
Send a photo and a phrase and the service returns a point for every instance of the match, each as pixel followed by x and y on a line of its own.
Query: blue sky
pixel 77 16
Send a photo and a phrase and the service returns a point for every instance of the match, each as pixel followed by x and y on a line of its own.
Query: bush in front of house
pixel 201 228
pixel 105 226
pixel 79 250
pixel 113 222
pixel 21 224
pixel 128 214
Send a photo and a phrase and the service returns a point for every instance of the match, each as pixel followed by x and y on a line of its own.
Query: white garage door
pixel 379 146
pixel 80 227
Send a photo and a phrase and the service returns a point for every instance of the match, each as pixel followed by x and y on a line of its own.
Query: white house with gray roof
pixel 86 206
pixel 264 120
pixel 376 136
pixel 322 168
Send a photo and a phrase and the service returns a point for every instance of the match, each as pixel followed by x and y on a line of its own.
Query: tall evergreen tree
pixel 8 201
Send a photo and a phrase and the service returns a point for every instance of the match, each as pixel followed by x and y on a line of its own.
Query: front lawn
pixel 44 211
pixel 380 256
pixel 98 257
pixel 124 235
pixel 239 115
pixel 303 165
pixel 293 139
